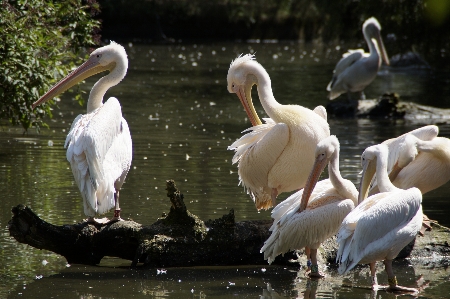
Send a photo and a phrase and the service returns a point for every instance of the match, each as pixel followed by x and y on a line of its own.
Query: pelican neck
pixel 373 49
pixel 106 82
pixel 384 184
pixel 264 87
pixel 333 172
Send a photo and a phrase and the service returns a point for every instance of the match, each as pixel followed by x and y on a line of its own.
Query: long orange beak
pixel 87 69
pixel 319 165
pixel 368 172
pixel 382 49
pixel 245 96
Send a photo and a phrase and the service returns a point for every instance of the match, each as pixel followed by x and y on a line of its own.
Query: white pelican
pixel 277 156
pixel 99 146
pixel 381 225
pixel 426 160
pixel 357 69
pixel 307 223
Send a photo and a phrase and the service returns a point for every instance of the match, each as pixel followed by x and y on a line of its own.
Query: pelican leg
pixel 308 258
pixel 362 96
pixel 314 273
pixel 117 209
pixel 373 275
pixel 393 286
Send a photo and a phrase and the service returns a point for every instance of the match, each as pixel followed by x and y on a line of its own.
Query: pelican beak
pixel 382 49
pixel 91 67
pixel 318 167
pixel 368 172
pixel 245 96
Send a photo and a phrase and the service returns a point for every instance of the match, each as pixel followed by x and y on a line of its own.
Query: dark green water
pixel 182 119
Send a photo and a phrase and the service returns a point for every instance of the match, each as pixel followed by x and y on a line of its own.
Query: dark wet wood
pixel 178 239
pixel 388 106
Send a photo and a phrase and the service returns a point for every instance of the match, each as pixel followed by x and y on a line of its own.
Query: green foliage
pixel 40 41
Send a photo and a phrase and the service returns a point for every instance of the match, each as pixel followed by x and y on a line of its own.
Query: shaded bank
pixel 419 25
pixel 181 239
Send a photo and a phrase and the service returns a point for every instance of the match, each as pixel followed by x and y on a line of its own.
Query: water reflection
pixel 219 282
pixel 182 119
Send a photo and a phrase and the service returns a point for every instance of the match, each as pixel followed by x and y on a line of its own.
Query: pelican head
pixel 369 159
pixel 326 150
pixel 108 58
pixel 371 27
pixel 372 30
pixel 240 81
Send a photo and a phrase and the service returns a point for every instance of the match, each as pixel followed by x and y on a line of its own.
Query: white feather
pixel 99 152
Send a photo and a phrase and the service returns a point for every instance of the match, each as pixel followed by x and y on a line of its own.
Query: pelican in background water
pixel 99 146
pixel 276 156
pixel 381 225
pixel 309 222
pixel 357 69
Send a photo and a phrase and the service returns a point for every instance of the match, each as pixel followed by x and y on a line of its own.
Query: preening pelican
pixel 277 156
pixel 426 160
pixel 308 222
pixel 357 69
pixel 381 225
pixel 99 146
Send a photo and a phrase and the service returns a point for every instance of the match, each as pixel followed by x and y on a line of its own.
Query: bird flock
pixel 286 153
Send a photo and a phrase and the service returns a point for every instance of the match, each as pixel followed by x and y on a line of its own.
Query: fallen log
pixel 388 106
pixel 176 239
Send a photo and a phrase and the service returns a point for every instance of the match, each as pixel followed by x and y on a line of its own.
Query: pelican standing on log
pixel 358 69
pixel 277 156
pixel 99 146
pixel 309 222
pixel 381 225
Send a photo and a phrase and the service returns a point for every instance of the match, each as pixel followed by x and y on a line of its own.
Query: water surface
pixel 182 119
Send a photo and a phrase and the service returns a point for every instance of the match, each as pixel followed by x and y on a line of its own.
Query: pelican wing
pixel 308 228
pixel 257 152
pixel 425 133
pixel 372 225
pixel 118 159
pixel 254 134
pixel 292 203
pixel 346 61
pixel 88 142
pixel 321 111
